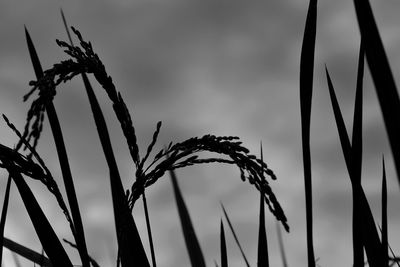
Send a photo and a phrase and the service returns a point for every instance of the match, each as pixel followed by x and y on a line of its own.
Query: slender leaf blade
pixel 48 238
pixel 192 243
pixel 370 237
pixel 77 230
pixel 344 137
pixel 27 253
pixel 224 255
pixel 306 88
pixel 235 236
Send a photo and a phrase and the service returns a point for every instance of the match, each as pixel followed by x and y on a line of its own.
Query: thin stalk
pixel 385 241
pixel 281 246
pixel 146 213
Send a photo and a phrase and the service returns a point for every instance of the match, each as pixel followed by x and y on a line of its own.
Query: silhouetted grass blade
pixel 306 88
pixel 357 118
pixel 343 136
pixel 262 254
pixel 385 242
pixel 27 253
pixel 78 231
pixel 192 243
pixel 34 57
pixel 224 255
pixel 129 243
pixel 45 232
pixel 370 237
pixel 235 236
pixel 382 76
pixel 262 258
pixel 4 215
pixel 281 246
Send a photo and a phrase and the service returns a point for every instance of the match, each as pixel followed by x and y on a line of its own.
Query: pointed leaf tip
pixel 191 240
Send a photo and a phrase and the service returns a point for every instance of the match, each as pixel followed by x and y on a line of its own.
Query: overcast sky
pixel 220 67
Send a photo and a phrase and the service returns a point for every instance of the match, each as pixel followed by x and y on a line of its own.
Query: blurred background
pixel 220 67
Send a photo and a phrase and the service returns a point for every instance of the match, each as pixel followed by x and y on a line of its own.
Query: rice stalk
pixel 306 88
pixel 88 62
pixel 192 244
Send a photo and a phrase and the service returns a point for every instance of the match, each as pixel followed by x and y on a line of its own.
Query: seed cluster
pixel 14 162
pixel 230 150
